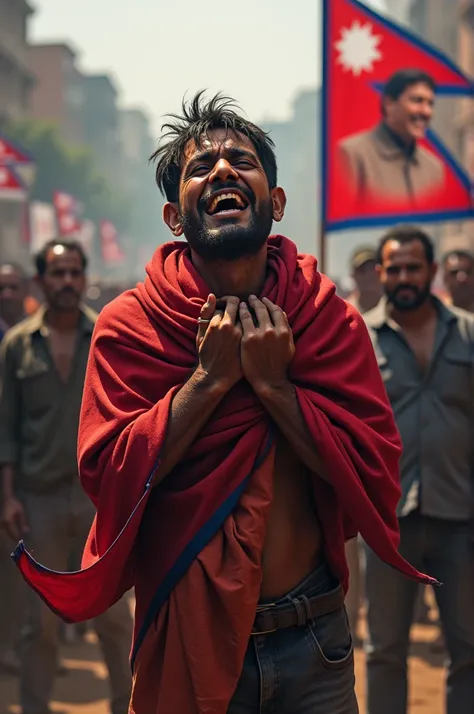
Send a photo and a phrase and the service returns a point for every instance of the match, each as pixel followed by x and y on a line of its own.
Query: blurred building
pixel 449 24
pixel 16 78
pixel 147 230
pixel 16 83
pixel 101 124
pixel 58 95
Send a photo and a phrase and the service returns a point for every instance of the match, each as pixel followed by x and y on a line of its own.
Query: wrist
pixel 272 390
pixel 213 386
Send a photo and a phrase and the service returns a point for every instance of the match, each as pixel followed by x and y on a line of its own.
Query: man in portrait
pixel 387 162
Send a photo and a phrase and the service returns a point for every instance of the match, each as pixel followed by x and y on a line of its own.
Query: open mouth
pixel 226 203
pixel 420 122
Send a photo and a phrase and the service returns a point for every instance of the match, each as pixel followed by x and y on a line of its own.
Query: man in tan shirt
pixel 386 162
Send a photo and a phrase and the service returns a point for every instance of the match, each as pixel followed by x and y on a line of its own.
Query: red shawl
pixel 192 546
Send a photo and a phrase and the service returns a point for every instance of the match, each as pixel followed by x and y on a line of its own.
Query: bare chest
pixel 422 343
pixel 62 346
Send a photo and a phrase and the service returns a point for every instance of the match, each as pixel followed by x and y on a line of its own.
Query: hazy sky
pixel 259 51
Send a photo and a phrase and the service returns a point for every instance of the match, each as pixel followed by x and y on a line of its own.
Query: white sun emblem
pixel 358 48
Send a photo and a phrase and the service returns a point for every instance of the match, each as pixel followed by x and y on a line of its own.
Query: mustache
pixel 400 288
pixel 228 186
pixel 67 291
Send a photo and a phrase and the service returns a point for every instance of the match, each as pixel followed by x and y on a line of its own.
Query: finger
pixel 277 315
pixel 261 312
pixel 231 310
pixel 246 320
pixel 207 312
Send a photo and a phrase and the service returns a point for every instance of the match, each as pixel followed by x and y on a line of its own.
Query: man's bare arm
pixel 191 409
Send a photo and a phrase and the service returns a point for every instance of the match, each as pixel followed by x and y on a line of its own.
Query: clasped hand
pixel 251 340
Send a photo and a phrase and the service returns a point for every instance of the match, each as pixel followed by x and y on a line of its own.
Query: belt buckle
pixel 263 608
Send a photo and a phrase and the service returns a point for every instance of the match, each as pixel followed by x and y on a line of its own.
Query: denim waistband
pixel 319 582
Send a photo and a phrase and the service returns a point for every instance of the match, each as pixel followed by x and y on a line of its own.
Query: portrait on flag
pixel 382 160
pixel 388 163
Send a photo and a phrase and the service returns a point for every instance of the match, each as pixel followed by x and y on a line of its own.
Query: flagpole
pixel 322 247
pixel 322 138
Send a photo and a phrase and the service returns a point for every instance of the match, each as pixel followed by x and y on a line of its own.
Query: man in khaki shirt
pixel 387 163
pixel 43 362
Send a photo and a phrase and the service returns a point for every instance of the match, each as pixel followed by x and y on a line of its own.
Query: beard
pixel 410 301
pixel 230 241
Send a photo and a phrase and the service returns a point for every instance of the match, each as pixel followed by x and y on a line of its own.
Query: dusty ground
pixel 84 689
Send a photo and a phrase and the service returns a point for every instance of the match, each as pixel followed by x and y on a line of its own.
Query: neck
pixel 368 299
pixel 412 319
pixel 242 277
pixel 467 305
pixel 62 320
pixel 405 139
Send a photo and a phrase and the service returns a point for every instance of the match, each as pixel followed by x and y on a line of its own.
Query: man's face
pixel 410 115
pixel 405 274
pixel 366 277
pixel 459 279
pixel 12 294
pixel 64 280
pixel 226 207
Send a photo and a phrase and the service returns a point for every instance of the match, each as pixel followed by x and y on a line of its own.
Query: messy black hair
pixel 404 234
pixel 198 118
pixel 41 255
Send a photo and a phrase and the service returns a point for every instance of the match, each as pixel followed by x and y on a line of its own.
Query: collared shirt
pixel 408 149
pixel 381 166
pixel 434 411
pixel 39 412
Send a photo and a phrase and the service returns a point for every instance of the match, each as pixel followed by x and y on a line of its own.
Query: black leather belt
pixel 296 612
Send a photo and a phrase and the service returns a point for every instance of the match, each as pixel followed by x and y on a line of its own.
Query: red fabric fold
pixel 143 351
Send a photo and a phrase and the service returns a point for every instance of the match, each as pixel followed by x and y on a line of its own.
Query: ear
pixel 172 219
pixel 433 271
pixel 379 270
pixel 279 203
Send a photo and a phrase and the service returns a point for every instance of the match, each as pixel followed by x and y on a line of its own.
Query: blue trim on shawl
pixel 194 547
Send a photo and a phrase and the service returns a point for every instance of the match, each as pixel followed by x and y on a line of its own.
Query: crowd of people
pixel 269 568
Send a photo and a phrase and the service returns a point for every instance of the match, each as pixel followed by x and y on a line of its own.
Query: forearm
pixel 7 472
pixel 191 409
pixel 281 403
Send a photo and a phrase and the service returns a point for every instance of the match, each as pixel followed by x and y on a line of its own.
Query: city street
pixel 84 689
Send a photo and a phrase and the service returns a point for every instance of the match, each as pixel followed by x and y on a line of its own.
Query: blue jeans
pixel 300 670
pixel 445 550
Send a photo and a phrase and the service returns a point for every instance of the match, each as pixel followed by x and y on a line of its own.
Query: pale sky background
pixel 259 51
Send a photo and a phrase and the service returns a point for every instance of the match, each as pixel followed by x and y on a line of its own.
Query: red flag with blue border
pixel 361 51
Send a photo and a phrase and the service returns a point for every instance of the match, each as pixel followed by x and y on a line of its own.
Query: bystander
pixel 43 363
pixel 425 354
pixel 12 296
